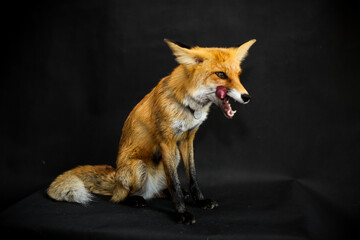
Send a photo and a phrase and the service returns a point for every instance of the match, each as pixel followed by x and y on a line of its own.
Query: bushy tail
pixel 76 184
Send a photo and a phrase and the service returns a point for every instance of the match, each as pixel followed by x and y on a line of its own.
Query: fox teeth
pixel 231 113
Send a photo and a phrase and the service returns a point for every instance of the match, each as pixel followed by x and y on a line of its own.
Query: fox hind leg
pixel 130 176
pixel 135 201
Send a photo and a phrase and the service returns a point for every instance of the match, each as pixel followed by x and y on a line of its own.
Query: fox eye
pixel 221 75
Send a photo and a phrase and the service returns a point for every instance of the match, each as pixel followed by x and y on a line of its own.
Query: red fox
pixel 159 132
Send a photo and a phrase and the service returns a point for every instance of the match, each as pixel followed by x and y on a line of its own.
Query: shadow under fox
pixel 159 133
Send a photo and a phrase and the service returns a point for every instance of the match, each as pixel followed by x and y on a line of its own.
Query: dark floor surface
pixel 278 209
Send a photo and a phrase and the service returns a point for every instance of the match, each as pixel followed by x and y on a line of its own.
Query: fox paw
pixel 135 201
pixel 207 204
pixel 185 218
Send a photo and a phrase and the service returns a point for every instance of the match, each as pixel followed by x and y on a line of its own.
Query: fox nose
pixel 246 98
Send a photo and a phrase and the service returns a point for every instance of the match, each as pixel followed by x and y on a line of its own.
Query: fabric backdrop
pixel 74 70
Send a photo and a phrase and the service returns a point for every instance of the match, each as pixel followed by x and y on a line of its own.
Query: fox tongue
pixel 226 107
pixel 221 92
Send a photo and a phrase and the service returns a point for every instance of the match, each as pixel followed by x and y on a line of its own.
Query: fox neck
pixel 185 89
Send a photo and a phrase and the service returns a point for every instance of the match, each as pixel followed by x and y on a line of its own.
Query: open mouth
pixel 224 104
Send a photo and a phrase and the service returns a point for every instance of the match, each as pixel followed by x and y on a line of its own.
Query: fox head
pixel 213 74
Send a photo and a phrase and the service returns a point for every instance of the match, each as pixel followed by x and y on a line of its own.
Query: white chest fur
pixel 194 111
pixel 189 121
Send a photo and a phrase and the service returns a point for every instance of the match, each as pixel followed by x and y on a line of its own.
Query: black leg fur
pixel 198 196
pixel 187 196
pixel 135 201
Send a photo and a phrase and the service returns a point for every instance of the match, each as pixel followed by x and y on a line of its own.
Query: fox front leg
pixel 173 182
pixel 187 154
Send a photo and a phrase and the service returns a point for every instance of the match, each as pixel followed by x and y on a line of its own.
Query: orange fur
pixel 161 128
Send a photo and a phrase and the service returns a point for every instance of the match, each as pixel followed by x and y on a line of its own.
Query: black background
pixel 74 69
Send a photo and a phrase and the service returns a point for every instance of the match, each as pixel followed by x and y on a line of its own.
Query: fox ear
pixel 242 51
pixel 183 53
